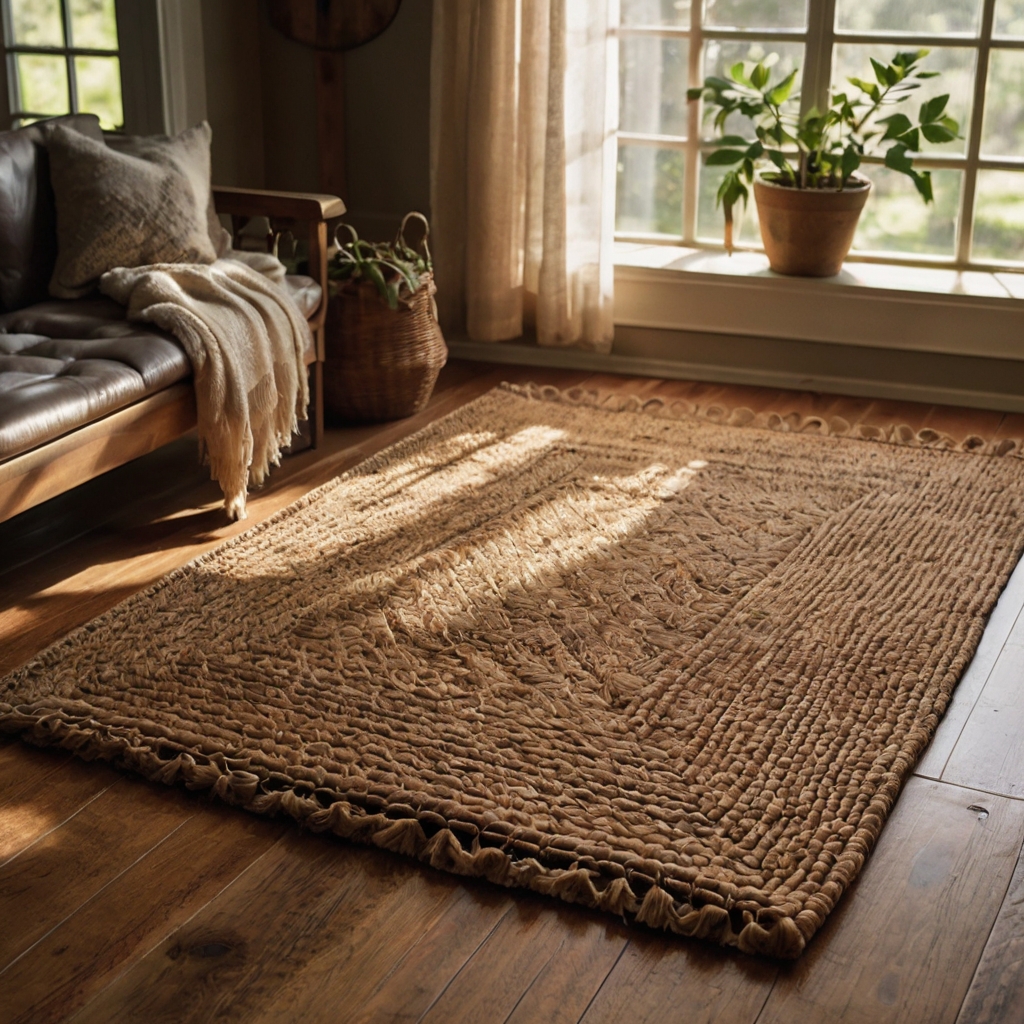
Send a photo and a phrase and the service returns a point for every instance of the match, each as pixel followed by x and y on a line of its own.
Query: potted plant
pixel 384 346
pixel 810 196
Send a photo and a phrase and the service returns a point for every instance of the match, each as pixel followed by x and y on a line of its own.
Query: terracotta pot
pixel 808 232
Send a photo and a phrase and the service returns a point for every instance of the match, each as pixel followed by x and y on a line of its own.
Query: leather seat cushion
pixel 64 364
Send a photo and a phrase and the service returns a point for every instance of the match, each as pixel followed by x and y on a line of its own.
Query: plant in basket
pixel 384 346
pixel 809 197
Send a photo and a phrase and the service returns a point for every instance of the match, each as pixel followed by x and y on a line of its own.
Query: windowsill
pixel 871 304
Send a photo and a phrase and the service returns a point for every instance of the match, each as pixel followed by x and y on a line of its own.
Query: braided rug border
pixel 502 854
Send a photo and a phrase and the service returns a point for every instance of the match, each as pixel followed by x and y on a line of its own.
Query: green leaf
pixel 731 191
pixel 912 140
pixel 718 84
pixel 732 140
pixel 755 151
pixel 850 161
pixel 884 73
pixel 896 159
pixel 374 274
pixel 908 58
pixel 928 74
pixel 923 184
pixel 695 93
pixel 937 133
pixel 778 158
pixel 724 157
pixel 933 109
pixel 780 93
pixel 759 76
pixel 738 73
pixel 896 125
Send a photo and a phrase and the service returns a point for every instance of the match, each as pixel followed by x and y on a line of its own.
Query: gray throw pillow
pixel 128 209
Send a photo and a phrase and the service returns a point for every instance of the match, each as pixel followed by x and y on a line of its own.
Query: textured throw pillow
pixel 124 209
pixel 190 152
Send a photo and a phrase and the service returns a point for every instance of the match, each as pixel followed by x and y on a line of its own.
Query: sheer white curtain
pixel 524 103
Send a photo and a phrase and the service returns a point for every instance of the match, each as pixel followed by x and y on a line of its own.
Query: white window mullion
pixel 817 78
pixel 69 60
pixel 691 166
pixel 965 222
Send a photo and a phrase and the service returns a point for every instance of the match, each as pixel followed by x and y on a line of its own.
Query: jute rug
pixel 671 669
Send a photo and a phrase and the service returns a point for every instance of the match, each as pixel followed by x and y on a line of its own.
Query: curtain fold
pixel 524 105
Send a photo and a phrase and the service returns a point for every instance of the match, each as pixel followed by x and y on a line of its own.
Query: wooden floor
pixel 124 901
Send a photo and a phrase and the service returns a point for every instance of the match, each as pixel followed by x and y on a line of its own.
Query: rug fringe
pixel 895 432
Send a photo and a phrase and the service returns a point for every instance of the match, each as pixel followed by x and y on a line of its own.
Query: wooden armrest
pixel 313 208
pixel 254 202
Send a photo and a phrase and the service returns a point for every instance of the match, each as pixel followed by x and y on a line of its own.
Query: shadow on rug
pixel 668 668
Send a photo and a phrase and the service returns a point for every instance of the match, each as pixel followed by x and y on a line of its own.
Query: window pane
pixel 720 55
pixel 652 85
pixel 711 220
pixel 756 13
pixel 896 219
pixel 1009 18
pixel 1003 132
pixel 37 22
pixel 655 12
pixel 650 190
pixel 999 216
pixel 44 83
pixel 93 24
pixel 99 89
pixel 956 65
pixel 937 16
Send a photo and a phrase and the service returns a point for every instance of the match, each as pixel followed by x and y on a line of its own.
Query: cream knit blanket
pixel 246 339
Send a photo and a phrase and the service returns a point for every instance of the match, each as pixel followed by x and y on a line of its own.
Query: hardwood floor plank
pixel 305 935
pixel 658 975
pixel 590 948
pixel 129 916
pixel 904 942
pixel 989 752
pixel 997 631
pixel 996 995
pixel 52 798
pixel 23 767
pixel 416 981
pixel 490 985
pixel 80 857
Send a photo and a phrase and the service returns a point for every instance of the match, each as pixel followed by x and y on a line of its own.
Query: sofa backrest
pixel 28 231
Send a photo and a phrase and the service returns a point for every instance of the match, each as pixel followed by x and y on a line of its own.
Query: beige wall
pixel 260 93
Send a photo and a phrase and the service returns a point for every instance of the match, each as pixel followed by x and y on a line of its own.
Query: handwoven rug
pixel 672 669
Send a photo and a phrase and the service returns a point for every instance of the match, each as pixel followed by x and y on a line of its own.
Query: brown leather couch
pixel 82 390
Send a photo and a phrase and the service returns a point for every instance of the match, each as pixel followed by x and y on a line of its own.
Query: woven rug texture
pixel 668 668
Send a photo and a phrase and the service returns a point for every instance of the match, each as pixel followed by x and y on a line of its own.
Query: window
pixel 62 57
pixel 666 194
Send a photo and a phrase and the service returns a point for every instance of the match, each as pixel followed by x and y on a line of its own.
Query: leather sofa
pixel 82 390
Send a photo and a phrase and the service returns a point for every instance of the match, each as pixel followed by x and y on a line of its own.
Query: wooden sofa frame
pixel 104 444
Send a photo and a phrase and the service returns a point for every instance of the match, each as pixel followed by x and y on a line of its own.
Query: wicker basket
pixel 381 363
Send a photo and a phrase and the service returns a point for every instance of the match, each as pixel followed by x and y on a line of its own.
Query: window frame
pixel 16 115
pixel 819 38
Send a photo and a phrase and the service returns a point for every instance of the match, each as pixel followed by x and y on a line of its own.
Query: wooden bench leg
pixel 316 404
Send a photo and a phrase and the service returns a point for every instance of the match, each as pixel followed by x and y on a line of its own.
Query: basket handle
pixel 400 237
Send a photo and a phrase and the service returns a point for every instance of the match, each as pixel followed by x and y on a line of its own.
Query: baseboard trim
pixel 528 354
